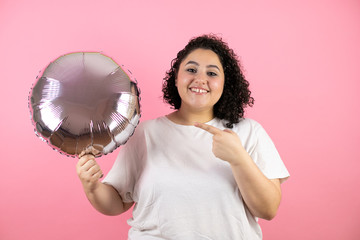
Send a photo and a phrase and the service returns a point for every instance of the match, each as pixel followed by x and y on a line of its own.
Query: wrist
pixel 91 188
pixel 238 158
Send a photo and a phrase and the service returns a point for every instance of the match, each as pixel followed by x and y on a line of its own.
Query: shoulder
pixel 247 123
pixel 146 124
pixel 249 129
pixel 138 137
pixel 152 125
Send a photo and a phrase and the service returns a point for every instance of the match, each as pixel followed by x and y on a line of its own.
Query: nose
pixel 201 79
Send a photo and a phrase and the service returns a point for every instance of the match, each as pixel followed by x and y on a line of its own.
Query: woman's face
pixel 200 80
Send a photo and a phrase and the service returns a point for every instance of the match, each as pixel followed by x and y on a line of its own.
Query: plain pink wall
pixel 302 59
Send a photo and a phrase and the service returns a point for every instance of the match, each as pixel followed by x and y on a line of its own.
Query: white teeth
pixel 197 90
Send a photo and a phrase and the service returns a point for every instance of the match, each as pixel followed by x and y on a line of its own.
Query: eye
pixel 212 74
pixel 192 70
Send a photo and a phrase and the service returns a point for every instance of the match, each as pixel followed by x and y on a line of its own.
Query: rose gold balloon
pixel 85 101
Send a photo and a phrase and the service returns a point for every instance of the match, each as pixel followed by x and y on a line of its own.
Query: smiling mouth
pixel 198 90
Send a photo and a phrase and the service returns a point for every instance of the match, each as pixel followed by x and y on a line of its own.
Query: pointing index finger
pixel 208 128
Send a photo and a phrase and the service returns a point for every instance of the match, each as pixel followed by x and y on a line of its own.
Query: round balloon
pixel 84 101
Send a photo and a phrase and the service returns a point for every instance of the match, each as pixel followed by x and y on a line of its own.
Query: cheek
pixel 182 81
pixel 217 85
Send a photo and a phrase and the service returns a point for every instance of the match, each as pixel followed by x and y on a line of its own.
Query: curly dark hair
pixel 236 93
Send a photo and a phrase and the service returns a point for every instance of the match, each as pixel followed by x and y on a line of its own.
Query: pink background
pixel 302 59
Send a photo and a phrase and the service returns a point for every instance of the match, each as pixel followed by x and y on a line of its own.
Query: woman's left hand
pixel 226 143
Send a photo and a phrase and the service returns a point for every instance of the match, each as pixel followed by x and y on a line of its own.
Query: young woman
pixel 203 171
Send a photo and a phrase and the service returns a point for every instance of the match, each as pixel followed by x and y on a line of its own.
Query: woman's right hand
pixel 89 172
pixel 103 197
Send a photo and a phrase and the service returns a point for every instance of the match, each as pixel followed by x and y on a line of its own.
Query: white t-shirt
pixel 180 189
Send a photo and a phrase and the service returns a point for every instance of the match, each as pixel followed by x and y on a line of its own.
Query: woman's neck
pixel 185 117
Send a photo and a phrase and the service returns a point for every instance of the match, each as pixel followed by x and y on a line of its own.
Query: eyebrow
pixel 197 64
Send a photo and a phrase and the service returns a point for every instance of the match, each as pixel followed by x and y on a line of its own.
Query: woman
pixel 201 172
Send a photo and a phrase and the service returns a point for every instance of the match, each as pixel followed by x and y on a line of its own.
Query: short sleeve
pixel 127 166
pixel 266 156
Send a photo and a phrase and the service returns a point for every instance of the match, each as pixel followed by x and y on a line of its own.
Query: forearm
pixel 261 195
pixel 103 197
pixel 106 200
